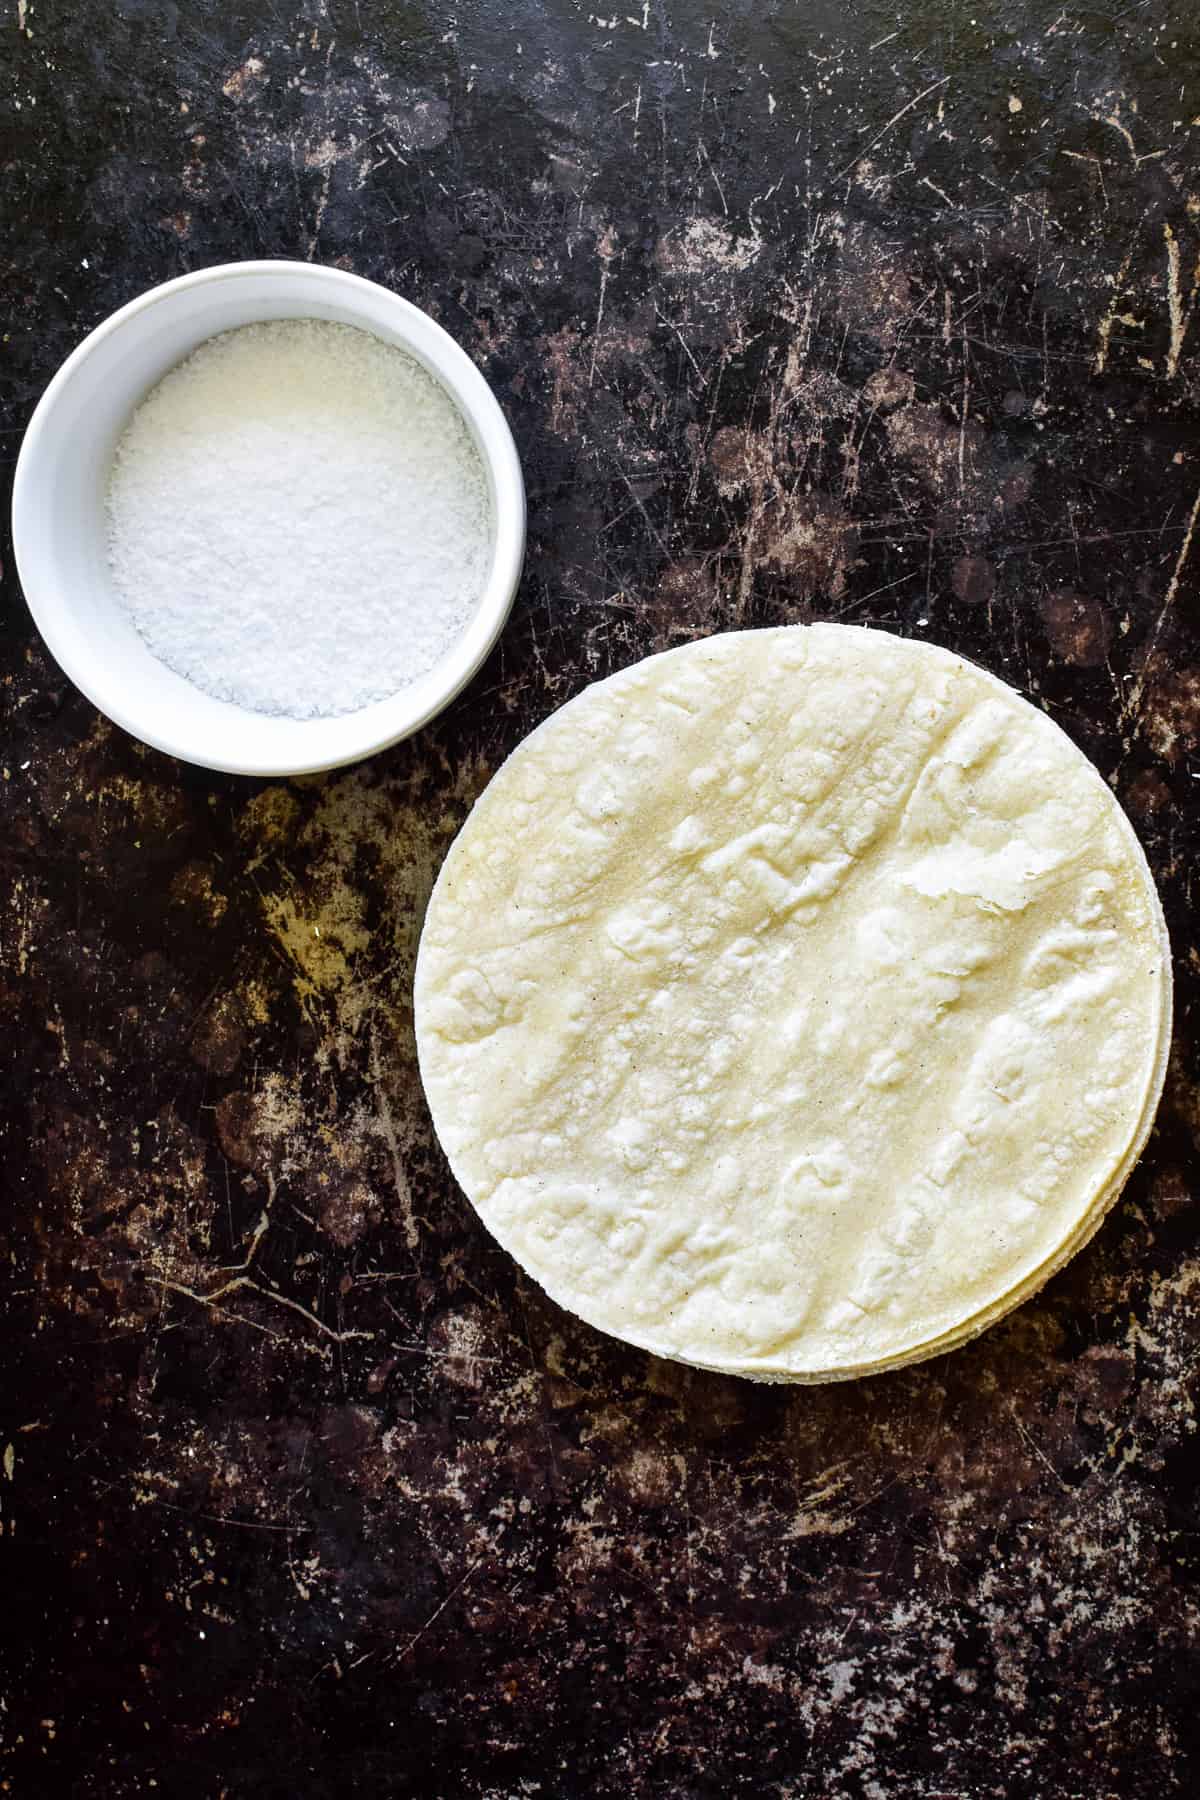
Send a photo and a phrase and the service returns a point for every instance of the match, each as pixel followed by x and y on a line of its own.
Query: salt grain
pixel 299 519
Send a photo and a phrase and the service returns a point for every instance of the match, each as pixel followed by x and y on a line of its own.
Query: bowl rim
pixel 390 718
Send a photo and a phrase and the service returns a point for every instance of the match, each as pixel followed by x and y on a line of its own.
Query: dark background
pixel 798 311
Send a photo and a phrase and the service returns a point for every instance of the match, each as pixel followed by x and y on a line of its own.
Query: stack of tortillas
pixel 794 1003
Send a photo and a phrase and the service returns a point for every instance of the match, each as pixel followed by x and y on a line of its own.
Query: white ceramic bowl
pixel 60 534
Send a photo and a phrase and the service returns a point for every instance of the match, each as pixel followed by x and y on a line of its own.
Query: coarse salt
pixel 299 519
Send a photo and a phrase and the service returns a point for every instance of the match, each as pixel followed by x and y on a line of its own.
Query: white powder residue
pixel 299 519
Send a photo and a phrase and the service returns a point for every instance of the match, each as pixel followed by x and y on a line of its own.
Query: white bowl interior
pixel 60 526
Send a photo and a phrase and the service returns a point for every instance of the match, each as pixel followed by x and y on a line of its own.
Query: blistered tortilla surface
pixel 792 999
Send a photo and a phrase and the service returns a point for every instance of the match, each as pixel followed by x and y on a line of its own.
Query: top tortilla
pixel 794 1002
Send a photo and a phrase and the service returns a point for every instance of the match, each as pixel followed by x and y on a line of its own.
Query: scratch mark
pixel 264 1219
pixel 1118 124
pixel 716 178
pixel 1096 166
pixel 894 120
pixel 641 506
pixel 247 1281
pixel 1104 329
pixel 388 1126
pixel 240 1524
pixel 436 1614
pixel 863 598
pixel 962 419
pixel 749 554
pixel 1035 1447
pixel 1020 200
pixel 1139 686
pixel 683 344
pixel 1181 317
pixel 600 314
pixel 1114 119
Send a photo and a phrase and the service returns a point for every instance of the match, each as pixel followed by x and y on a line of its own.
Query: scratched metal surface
pixel 797 312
